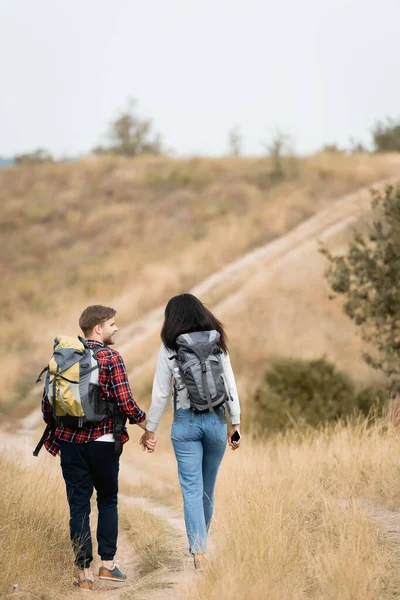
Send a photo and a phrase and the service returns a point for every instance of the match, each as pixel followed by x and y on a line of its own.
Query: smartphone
pixel 236 436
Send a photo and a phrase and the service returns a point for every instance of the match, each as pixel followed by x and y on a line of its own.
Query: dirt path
pixel 388 520
pixel 227 281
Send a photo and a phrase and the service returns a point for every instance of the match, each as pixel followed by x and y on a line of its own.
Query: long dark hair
pixel 186 313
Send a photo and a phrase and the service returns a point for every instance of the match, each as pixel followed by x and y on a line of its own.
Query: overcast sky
pixel 322 70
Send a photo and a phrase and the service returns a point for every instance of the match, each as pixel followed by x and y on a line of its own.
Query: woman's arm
pixel 233 404
pixel 161 390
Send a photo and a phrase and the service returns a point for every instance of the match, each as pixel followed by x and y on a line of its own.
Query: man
pixel 88 457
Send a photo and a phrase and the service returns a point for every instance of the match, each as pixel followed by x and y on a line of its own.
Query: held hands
pixel 234 445
pixel 148 441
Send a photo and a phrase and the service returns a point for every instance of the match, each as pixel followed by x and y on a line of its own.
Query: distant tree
pixel 235 141
pixel 331 148
pixel 283 159
pixel 357 147
pixel 368 276
pixel 39 156
pixel 386 135
pixel 130 135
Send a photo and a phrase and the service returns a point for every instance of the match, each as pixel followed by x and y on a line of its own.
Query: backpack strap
pixel 175 391
pixel 42 372
pixel 119 420
pixel 224 379
pixel 83 341
pixel 54 392
pixel 41 441
pixel 175 400
pixel 205 385
pixel 97 349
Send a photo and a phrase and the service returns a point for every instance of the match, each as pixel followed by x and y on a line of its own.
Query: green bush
pixel 296 392
pixel 386 135
pixel 37 157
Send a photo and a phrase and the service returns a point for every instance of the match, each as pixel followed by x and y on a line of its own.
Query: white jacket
pixel 162 388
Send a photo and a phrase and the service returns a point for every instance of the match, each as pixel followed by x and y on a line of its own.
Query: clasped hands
pixel 148 441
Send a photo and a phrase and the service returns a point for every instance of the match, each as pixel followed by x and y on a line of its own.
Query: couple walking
pixel 86 404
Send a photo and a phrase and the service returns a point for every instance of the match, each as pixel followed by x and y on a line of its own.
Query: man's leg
pixel 79 484
pixel 104 466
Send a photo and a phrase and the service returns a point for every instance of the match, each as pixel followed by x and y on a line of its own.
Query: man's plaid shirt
pixel 115 388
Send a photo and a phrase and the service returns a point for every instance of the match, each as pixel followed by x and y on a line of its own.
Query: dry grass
pixel 35 550
pixel 152 542
pixel 288 524
pixel 134 232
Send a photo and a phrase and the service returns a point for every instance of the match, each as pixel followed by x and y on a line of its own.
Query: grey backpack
pixel 200 370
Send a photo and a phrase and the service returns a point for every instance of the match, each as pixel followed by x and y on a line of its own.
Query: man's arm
pixel 123 393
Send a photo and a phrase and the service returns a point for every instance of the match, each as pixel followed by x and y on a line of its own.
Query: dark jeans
pixel 85 466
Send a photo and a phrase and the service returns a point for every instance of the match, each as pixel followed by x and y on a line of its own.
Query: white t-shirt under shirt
pixel 107 437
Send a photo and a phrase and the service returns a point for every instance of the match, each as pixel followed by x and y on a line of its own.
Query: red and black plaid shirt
pixel 115 388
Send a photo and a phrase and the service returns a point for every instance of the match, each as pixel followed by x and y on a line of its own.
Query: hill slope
pixel 133 233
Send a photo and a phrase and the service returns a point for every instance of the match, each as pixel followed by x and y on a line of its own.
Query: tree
pixel 235 141
pixel 39 156
pixel 368 278
pixel 283 159
pixel 332 148
pixel 130 135
pixel 357 147
pixel 386 135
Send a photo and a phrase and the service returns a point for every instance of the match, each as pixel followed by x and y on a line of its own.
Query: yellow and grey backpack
pixel 72 387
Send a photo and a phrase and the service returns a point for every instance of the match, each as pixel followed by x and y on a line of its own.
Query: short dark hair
pixel 95 315
pixel 186 313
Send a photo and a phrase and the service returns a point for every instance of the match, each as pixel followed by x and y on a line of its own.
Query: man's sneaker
pixel 112 574
pixel 84 584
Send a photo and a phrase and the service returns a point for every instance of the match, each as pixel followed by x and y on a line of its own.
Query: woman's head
pixel 186 313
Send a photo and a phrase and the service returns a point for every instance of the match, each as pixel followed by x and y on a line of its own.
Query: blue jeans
pixel 199 442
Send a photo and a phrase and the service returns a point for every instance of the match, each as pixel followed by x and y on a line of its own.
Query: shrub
pixel 386 135
pixel 37 157
pixel 295 391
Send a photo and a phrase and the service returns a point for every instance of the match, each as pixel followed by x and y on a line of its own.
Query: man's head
pixel 97 323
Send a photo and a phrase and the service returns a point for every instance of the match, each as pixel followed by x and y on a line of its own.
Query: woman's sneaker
pixel 112 574
pixel 200 561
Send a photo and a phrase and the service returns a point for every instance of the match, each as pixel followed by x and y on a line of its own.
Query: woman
pixel 198 438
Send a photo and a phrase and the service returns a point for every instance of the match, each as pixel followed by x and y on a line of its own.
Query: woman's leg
pixel 214 446
pixel 188 447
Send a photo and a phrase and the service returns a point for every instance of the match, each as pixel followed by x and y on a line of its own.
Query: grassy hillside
pixel 131 233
